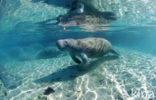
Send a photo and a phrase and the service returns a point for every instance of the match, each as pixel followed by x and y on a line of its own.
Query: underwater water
pixel 30 62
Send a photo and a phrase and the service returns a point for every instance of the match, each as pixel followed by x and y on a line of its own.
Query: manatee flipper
pixel 75 58
pixel 114 52
pixel 84 58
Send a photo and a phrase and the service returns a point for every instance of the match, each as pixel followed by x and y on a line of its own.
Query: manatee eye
pixel 65 42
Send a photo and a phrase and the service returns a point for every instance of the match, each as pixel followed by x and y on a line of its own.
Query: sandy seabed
pixel 132 76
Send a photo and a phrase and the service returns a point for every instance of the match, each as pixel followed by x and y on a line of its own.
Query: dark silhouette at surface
pixel 71 72
pixel 48 91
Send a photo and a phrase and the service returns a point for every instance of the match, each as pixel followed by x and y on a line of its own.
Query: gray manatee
pixel 85 48
pixel 82 13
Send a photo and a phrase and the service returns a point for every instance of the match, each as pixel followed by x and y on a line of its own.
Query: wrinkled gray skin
pixel 84 14
pixel 85 48
pixel 9 81
pixel 81 19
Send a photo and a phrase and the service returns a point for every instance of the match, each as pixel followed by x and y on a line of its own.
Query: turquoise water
pixel 30 62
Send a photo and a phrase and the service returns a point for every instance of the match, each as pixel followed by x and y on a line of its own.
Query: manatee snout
pixel 61 44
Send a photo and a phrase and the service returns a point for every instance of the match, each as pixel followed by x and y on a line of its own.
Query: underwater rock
pixel 48 91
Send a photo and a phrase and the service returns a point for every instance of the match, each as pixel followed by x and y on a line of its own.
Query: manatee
pixel 10 81
pixel 85 48
pixel 82 13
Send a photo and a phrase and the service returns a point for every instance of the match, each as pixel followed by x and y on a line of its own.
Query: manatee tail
pixel 114 52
